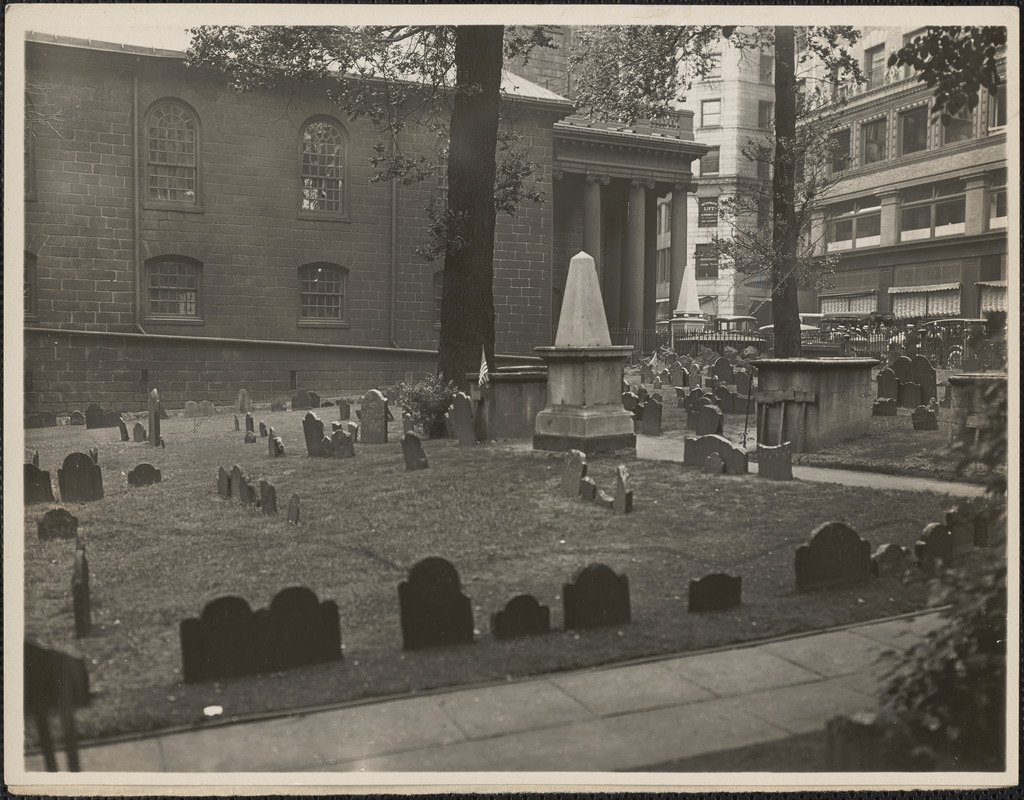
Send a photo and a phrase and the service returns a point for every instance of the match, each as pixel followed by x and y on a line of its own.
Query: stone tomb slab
pixel 835 555
pixel 434 611
pixel 716 592
pixel 908 394
pixel 597 597
pixel 80 479
pixel 143 475
pixel 522 616
pixel 76 418
pixel 58 523
pixel 38 487
pixel 412 452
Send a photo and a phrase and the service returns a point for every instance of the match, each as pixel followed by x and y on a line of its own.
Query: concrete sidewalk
pixel 625 717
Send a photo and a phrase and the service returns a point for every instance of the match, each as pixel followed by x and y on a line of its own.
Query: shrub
pixel 427 400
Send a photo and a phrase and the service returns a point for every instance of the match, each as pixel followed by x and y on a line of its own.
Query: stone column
pixel 650 262
pixel 677 250
pixel 890 218
pixel 592 219
pixel 611 288
pixel 974 213
pixel 632 308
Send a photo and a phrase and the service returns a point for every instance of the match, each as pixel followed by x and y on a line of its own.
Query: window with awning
pixel 992 296
pixel 913 302
pixel 862 302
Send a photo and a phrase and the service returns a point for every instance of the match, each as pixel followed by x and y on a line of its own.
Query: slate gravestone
pixel 250 437
pixel 775 462
pixel 902 368
pixel 573 471
pixel 696 404
pixel 154 419
pixel 596 597
pixel 887 384
pixel 94 416
pixel 276 446
pixel 412 452
pixel 972 521
pixel 293 510
pixel 57 523
pixel 522 616
pixel 144 475
pixel 300 630
pixel 300 401
pixel 680 397
pixel 629 401
pixel 722 370
pixel 714 464
pixel 191 409
pixel 80 479
pixel 373 419
pixel 243 404
pixel 314 399
pixel 461 414
pixel 933 406
pixel 646 373
pixel 221 643
pixel 223 483
pixel 677 373
pixel 651 425
pixel 935 548
pixel 947 396
pixel 588 489
pixel 313 431
pixel 353 431
pixel 237 426
pixel 924 419
pixel 693 377
pixel 139 433
pixel 77 418
pixel 206 409
pixel 742 380
pixel 237 479
pixel 343 444
pixel 407 424
pixel 909 395
pixel 642 394
pixel 246 493
pixel 263 430
pixel 622 502
pixel 709 421
pixel 81 606
pixel 278 405
pixel 250 423
pixel 35 458
pixel 697 449
pixel 665 376
pixel 716 592
pixel 884 407
pixel 124 430
pixel 656 383
pixel 434 612
pixel 834 555
pixel 724 400
pixel 38 488
pixel 891 560
pixel 268 498
pixel 923 374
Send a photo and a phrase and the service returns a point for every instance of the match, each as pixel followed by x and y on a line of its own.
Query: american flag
pixel 483 367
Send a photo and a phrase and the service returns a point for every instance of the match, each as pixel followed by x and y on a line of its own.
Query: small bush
pixel 427 401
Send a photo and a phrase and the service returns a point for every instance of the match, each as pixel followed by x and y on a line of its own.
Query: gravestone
pixel 293 510
pixel 250 437
pixel 250 423
pixel 642 394
pixel 206 409
pixel 237 426
pixel 412 452
pixel 646 373
pixel 693 377
pixel 302 400
pixel 237 479
pixel 935 549
pixel 908 395
pixel 407 424
pixel 76 418
pixel 622 503
pixel 300 630
pixel 887 384
pixel 343 444
pixel 275 446
pixel 573 471
pixel 35 458
pixel 223 483
pixel 94 416
pixel 373 420
pixel 709 421
pixel 725 400
pixel 775 462
pixel 677 374
pixel 891 560
pixel 947 395
pixel 221 643
pixel 268 498
pixel 139 433
pixel 973 521
pixel 716 592
pixel 603 499
pixel 124 429
pixel 933 406
pixel 247 493
pixel 901 367
pixel 695 405
pixel 155 438
pixel 278 405
pixel 742 383
pixel 191 409
pixel 834 555
pixel 314 399
pixel 344 409
pixel 722 370
pixel 57 523
pixel 588 489
pixel 651 424
pixel 462 419
pixel 434 612
pixel 263 430
pixel 680 397
pixel 80 479
pixel 243 404
pixel 714 464
pixel 144 475
pixel 665 376
pixel 656 383
pixel 924 419
pixel 353 431
pixel 313 431
pixel 81 605
pixel 629 401
pixel 884 407
pixel 596 597
pixel 923 374
pixel 522 616
pixel 697 449
pixel 38 487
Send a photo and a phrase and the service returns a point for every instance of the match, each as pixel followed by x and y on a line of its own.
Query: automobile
pixel 845 323
pixel 741 325
pixel 811 320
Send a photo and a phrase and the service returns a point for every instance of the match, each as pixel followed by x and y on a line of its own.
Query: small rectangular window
pixel 914 130
pixel 709 162
pixel 714 67
pixel 765 115
pixel 874 66
pixel 322 293
pixel 711 113
pixel 840 146
pixel 873 141
pixel 173 288
pixel 959 127
pixel 997 108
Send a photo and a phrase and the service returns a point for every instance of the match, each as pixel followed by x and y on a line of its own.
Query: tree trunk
pixel 785 303
pixel 467 301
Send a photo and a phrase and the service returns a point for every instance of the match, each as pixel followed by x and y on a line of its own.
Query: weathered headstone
pixel 94 416
pixel 629 401
pixel 344 408
pixel 902 368
pixel 412 452
pixel 408 426
pixel 313 431
pixel 908 395
pixel 714 464
pixel 742 380
pixel 278 404
pixel 697 449
pixel 57 523
pixel 834 555
pixel 221 643
pixel 646 373
pixel 250 437
pixel 206 409
pixel 434 612
pixel 301 401
pixel 191 409
pixel 461 413
pixel 263 430
pixel 373 421
pixel 694 379
pixel 237 479
pixel 623 500
pixel 80 479
pixel 143 475
pixel 722 370
pixel 588 489
pixel 343 443
pixel 973 522
pixel 293 510
pixel 642 394
pixel 573 471
pixel 139 433
pixel 123 427
pixel 677 373
pixel 887 384
pixel 725 400
pixel 243 404
pixel 237 426
pixel 652 418
pixel 923 374
pixel 155 438
pixel 300 630
pixel 76 418
pixel 775 462
pixel 38 487
pixel 709 421
pixel 275 447
pixel 603 499
pixel 924 419
pixel 596 597
pixel 81 605
pixel 522 616
pixel 884 407
pixel 656 383
pixel 891 560
pixel 680 397
pixel 935 549
pixel 250 423
pixel 268 498
pixel 716 592
pixel 223 483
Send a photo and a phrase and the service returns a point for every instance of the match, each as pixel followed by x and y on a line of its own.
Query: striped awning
pixel 992 295
pixel 935 287
pixel 846 292
pixel 996 284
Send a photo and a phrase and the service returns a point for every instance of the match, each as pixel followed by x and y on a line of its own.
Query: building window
pixel 766 68
pixel 997 108
pixel 172 154
pixel 997 201
pixel 930 211
pixel 664 265
pixel 709 162
pixel 839 144
pixel 707 213
pixel 711 113
pixel 173 284
pixel 874 66
pixel 765 115
pixel 322 293
pixel 909 71
pixel 30 150
pixel 438 295
pixel 706 261
pixel 914 130
pixel 872 136
pixel 665 216
pixel 958 127
pixel 855 224
pixel 30 284
pixel 714 67
pixel 323 167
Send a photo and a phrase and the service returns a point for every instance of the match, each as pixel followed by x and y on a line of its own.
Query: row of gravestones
pixel 646 409
pixel 680 374
pixel 911 382
pixel 576 483
pixel 80 479
pixel 234 485
pixel 923 418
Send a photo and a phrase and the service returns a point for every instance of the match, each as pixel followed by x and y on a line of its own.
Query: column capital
pixel 682 187
pixel 604 180
pixel 648 183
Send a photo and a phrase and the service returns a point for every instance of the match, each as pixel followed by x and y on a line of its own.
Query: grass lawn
pixel 158 554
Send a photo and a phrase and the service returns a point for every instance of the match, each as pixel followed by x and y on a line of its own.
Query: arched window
pixel 322 293
pixel 322 167
pixel 30 150
pixel 173 284
pixel 172 154
pixel 30 284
